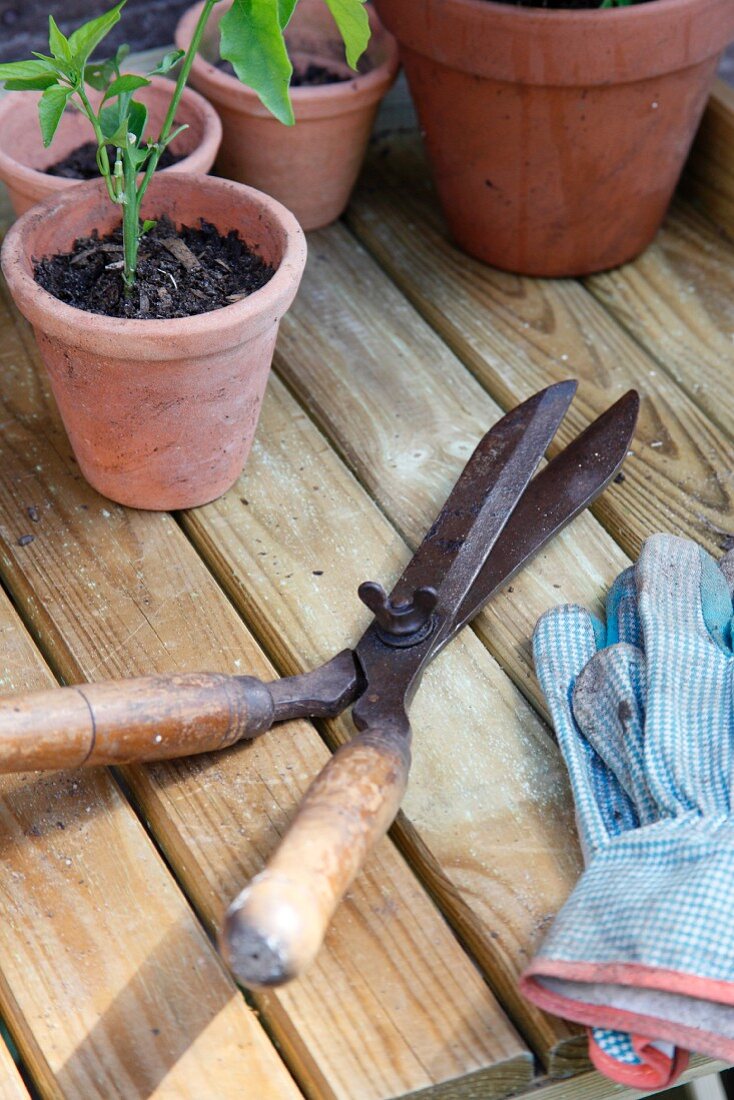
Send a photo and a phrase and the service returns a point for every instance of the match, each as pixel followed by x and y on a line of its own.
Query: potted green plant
pixel 32 171
pixel 158 332
pixel 557 129
pixel 310 167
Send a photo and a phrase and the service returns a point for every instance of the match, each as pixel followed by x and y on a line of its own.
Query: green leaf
pixel 252 39
pixel 50 109
pixel 166 63
pixel 122 52
pixel 113 125
pixel 25 70
pixel 37 84
pixel 128 83
pixel 147 225
pixel 56 65
pixel 58 42
pixel 137 120
pixel 85 39
pixel 119 120
pixel 99 74
pixel 285 11
pixel 351 18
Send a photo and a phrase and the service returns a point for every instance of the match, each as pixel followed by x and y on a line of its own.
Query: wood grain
pixel 708 179
pixel 11 1083
pixel 487 815
pixel 106 979
pixel 677 301
pixel 518 334
pixel 392 1006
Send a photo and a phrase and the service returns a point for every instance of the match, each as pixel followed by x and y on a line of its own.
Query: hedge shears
pixel 497 516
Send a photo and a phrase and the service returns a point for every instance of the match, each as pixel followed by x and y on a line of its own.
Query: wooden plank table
pixel 395 358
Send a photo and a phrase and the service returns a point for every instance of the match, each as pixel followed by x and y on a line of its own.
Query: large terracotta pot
pixel 310 167
pixel 23 159
pixel 556 137
pixel 160 414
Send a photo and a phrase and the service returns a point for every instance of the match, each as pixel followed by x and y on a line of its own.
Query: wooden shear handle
pixel 275 927
pixel 150 718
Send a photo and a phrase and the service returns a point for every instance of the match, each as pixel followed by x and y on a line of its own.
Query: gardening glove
pixel 645 943
pixel 566 640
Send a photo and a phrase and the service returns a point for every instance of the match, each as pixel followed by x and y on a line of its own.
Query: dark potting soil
pixel 180 274
pixel 309 77
pixel 81 163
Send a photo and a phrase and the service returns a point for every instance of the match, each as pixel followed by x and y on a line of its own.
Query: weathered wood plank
pixel 518 334
pixel 106 979
pixel 677 300
pixel 392 1007
pixel 708 178
pixel 291 543
pixel 11 1083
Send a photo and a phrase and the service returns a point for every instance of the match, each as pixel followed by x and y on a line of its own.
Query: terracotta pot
pixel 23 159
pixel 310 167
pixel 556 137
pixel 160 414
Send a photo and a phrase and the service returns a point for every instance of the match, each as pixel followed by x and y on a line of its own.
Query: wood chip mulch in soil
pixel 81 163
pixel 180 274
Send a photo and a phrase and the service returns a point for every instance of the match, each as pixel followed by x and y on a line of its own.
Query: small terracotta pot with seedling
pixel 310 167
pixel 157 332
pixel 32 171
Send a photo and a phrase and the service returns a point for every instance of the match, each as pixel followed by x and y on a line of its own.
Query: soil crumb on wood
pixel 180 274
pixel 309 76
pixel 81 163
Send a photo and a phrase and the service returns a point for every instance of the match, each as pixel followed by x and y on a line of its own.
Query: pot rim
pixel 204 330
pixel 20 171
pixel 632 12
pixel 561 47
pixel 319 101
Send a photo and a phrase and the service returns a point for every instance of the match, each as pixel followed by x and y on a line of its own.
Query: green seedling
pixel 252 39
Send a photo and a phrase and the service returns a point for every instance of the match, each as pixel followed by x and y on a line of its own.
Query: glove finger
pixel 623 620
pixel 684 606
pixel 609 707
pixel 564 641
pixel 681 592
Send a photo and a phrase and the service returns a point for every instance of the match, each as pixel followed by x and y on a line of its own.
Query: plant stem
pixel 183 76
pixel 103 162
pixel 130 222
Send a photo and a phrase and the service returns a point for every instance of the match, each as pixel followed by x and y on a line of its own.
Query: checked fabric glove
pixel 568 640
pixel 645 943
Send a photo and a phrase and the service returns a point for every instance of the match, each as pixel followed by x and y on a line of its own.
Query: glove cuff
pixel 645 943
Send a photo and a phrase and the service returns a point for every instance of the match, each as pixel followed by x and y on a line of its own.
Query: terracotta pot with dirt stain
pixel 161 414
pixel 556 137
pixel 23 159
pixel 310 167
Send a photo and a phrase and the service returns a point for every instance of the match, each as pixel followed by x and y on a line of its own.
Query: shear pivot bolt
pixel 401 618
